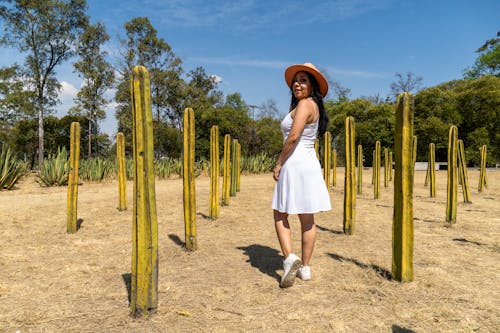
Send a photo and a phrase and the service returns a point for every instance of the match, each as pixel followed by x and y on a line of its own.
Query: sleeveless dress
pixel 300 188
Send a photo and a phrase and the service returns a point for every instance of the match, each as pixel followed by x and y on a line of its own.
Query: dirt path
pixel 54 282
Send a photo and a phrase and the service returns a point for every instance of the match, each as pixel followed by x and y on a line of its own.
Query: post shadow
pixel 337 232
pixel 266 259
pixel 377 269
pixel 177 240
pixel 79 223
pixel 399 329
pixel 127 279
pixel 463 240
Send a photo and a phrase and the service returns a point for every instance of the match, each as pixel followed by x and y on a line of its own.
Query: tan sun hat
pixel 310 68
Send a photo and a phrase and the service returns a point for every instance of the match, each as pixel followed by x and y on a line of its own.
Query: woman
pixel 300 187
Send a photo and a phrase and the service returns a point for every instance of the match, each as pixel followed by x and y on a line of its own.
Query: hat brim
pixel 294 69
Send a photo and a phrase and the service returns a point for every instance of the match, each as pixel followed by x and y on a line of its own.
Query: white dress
pixel 300 188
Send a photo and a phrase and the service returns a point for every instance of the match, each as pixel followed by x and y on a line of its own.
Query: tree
pixel 46 31
pixel 488 61
pixel 98 76
pixel 408 82
pixel 15 101
pixel 142 46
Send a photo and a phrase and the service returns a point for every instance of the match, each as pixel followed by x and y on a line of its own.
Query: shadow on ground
pixel 265 258
pixel 127 279
pixel 377 269
pixel 399 329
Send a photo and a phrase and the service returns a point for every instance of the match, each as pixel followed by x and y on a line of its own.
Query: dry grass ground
pixel 51 281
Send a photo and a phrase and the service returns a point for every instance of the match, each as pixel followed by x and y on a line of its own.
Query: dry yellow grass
pixel 51 281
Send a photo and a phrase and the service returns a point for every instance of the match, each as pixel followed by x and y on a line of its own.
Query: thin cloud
pixel 355 73
pixel 239 62
pixel 228 61
pixel 247 15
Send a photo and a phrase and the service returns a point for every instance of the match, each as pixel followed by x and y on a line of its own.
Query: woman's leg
pixel 308 236
pixel 283 231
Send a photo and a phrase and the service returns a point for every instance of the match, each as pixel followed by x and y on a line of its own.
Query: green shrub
pixel 54 170
pixel 11 169
pixel 97 169
pixel 257 164
pixel 164 168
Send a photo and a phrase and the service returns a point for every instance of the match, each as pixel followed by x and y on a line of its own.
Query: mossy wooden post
pixel 462 162
pixel 214 172
pixel 334 167
pixel 234 164
pixel 226 181
pixel 327 159
pixel 238 166
pixel 374 167
pixel 386 167
pixel 359 181
pixel 482 170
pixel 316 147
pixel 74 161
pixel 402 227
pixel 390 165
pixel 188 177
pixel 432 170
pixel 376 184
pixel 452 186
pixel 144 281
pixel 122 177
pixel 350 178
pixel 414 145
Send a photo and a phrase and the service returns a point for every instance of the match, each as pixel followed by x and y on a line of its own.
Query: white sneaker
pixel 304 273
pixel 290 265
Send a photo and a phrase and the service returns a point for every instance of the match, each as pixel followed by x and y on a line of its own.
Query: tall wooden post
pixel 402 229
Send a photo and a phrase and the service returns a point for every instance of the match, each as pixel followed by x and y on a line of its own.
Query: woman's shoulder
pixel 308 104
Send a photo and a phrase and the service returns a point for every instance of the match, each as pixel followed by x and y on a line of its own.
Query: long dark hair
pixel 316 96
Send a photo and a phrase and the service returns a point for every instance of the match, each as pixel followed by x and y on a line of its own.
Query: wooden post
pixel 349 217
pixel 144 284
pixel 122 177
pixel 402 237
pixel 74 162
pixel 189 192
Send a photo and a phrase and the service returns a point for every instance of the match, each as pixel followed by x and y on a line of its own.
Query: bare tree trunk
pixel 40 135
pixel 89 153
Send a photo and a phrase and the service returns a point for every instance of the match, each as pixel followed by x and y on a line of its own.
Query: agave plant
pixel 54 170
pixel 96 169
pixel 257 164
pixel 11 169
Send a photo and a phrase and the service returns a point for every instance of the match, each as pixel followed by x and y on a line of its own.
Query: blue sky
pixel 248 43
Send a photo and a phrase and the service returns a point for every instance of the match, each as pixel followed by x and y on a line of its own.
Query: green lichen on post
pixel 452 184
pixel 144 280
pixel 414 145
pixel 390 165
pixel 234 164
pixel 122 178
pixel 74 161
pixel 432 169
pixel 188 176
pixel 402 229
pixel 226 181
pixel 327 158
pixel 214 172
pixel 376 178
pixel 349 216
pixel 334 167
pixel 238 166
pixel 482 170
pixel 386 167
pixel 359 181
pixel 462 162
